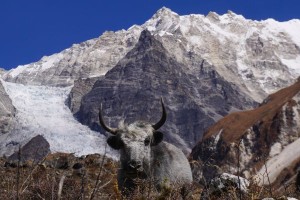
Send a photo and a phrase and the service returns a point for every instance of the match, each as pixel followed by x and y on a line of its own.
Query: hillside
pixel 267 135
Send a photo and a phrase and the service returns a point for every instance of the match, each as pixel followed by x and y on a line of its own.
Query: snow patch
pixel 275 149
pixel 50 61
pixel 292 64
pixel 45 63
pixel 15 72
pixel 292 27
pixel 217 138
pixel 276 164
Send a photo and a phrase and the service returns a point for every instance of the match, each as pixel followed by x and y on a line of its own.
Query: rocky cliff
pixel 81 88
pixel 7 111
pixel 131 91
pixel 251 142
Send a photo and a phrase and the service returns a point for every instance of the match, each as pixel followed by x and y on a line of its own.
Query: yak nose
pixel 133 164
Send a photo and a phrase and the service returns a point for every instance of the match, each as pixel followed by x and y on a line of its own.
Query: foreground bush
pixel 63 176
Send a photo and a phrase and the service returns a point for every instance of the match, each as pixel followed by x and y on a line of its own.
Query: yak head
pixel 134 142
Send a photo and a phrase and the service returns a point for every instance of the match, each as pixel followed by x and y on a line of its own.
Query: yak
pixel 144 154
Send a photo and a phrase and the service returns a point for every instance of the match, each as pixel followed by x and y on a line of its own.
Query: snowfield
pixel 41 110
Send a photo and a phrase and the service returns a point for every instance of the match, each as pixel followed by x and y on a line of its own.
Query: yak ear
pixel 157 138
pixel 115 142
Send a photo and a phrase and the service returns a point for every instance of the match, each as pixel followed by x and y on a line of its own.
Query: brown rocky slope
pixel 244 142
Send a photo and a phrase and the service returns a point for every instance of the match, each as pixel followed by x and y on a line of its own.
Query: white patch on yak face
pixel 136 139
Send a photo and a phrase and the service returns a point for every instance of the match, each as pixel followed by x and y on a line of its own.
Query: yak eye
pixel 147 141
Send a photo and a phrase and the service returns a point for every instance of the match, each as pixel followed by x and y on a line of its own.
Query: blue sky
pixel 33 28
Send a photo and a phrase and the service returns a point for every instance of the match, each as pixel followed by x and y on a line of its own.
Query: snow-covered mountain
pixel 258 56
pixel 132 89
pixel 92 58
pixel 204 67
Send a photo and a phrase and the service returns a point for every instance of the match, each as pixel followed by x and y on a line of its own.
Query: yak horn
pixel 163 117
pixel 108 129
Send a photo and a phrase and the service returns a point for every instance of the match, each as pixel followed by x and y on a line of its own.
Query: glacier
pixel 41 110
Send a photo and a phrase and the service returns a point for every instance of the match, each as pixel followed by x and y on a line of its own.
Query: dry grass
pixel 40 181
pixel 98 181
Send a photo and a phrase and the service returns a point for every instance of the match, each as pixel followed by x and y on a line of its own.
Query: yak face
pixel 135 142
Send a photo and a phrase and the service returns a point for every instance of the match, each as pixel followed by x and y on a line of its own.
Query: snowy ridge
pixel 45 63
pixel 42 110
pixel 231 43
pixel 260 57
pixel 92 58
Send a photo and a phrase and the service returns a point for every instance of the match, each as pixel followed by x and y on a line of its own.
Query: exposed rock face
pixel 81 88
pixel 7 111
pixel 267 135
pixel 35 150
pixel 131 91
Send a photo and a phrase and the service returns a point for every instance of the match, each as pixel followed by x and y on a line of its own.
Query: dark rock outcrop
pixel 7 111
pixel 34 151
pixel 81 88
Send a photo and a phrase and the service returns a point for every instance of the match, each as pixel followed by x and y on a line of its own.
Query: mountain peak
pixel 232 15
pixel 164 11
pixel 162 20
pixel 146 38
pixel 229 12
